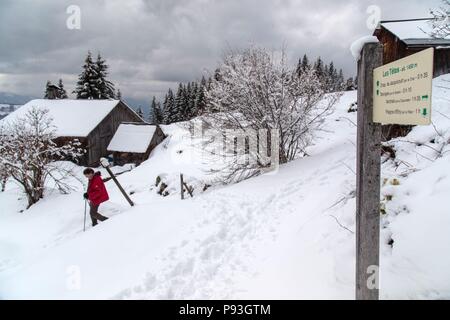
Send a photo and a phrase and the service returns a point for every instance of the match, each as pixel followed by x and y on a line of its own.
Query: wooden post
pixel 118 185
pixel 368 178
pixel 182 186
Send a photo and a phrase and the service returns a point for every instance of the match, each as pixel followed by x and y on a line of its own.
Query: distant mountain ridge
pixel 15 99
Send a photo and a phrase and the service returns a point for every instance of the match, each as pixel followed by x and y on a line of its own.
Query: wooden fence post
pixel 104 163
pixel 182 186
pixel 368 178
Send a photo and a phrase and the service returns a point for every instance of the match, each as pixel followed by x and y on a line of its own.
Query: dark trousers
pixel 95 215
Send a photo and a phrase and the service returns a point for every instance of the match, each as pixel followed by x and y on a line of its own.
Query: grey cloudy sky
pixel 151 45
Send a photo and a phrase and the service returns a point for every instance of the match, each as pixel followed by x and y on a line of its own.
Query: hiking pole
pixel 84 223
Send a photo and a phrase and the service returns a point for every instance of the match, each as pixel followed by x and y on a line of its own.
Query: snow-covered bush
pixel 441 21
pixel 255 90
pixel 28 154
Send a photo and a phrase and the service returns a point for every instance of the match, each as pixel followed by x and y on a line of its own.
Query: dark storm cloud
pixel 151 45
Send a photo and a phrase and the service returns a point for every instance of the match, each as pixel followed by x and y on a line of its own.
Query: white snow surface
pixel 71 118
pixel 358 44
pixel 132 138
pixel 285 235
pixel 418 29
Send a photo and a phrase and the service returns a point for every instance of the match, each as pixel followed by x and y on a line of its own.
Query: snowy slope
pixel 286 235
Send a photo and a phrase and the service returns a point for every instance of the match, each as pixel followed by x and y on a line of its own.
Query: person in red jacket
pixel 96 194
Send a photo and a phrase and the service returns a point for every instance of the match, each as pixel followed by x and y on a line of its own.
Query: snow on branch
pixel 28 154
pixel 440 23
pixel 255 90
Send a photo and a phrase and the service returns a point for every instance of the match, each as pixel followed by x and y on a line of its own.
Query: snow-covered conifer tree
pixel 303 65
pixel 177 110
pixel 62 92
pixel 105 87
pixel 140 113
pixel 319 68
pixel 87 86
pixel 156 112
pixel 48 90
pixel 169 105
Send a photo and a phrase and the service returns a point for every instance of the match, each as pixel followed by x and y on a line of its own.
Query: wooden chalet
pixel 133 142
pixel 401 38
pixel 92 122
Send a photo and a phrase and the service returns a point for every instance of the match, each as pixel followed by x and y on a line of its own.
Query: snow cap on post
pixel 104 162
pixel 357 45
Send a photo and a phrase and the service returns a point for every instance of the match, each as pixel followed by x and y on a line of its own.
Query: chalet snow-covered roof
pixel 132 137
pixel 72 118
pixel 414 32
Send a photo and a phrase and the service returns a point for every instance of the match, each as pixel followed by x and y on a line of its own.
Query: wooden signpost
pixel 368 175
pixel 396 93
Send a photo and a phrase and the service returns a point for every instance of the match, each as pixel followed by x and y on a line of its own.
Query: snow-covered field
pixel 288 235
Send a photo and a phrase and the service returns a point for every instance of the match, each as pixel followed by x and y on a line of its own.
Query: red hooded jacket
pixel 96 190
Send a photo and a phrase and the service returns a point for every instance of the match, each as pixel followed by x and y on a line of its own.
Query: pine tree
pixel 200 103
pixel 303 65
pixel 156 112
pixel 87 81
pixel 326 79
pixel 119 95
pixel 177 112
pixel 299 70
pixel 340 81
pixel 105 87
pixel 193 100
pixel 203 82
pixel 319 68
pixel 159 113
pixel 140 113
pixel 169 104
pixel 187 102
pixel 209 84
pixel 47 93
pixel 332 74
pixel 62 92
pixel 152 117
pixel 165 106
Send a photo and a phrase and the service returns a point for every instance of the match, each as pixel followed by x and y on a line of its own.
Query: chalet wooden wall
pixel 394 49
pixel 99 138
